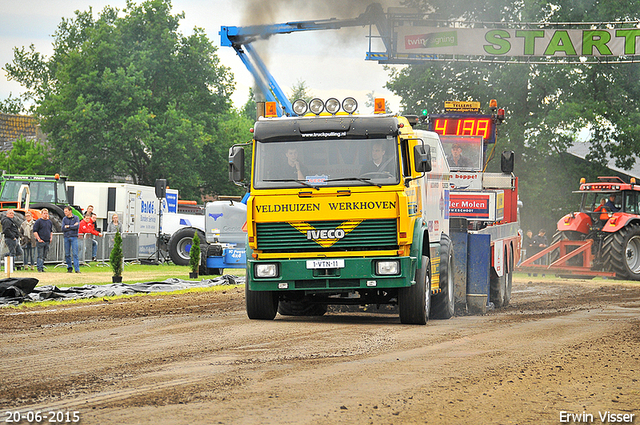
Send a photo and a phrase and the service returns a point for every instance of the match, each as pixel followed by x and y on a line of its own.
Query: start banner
pixel 547 42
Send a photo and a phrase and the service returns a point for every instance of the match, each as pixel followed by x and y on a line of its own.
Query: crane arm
pixel 240 38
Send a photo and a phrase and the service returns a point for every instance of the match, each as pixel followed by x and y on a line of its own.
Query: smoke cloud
pixel 259 12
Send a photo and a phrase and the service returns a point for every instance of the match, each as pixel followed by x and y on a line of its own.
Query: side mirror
pixel 422 157
pixel 236 164
pixel 506 162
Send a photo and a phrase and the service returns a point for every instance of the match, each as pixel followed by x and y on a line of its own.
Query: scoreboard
pixel 464 125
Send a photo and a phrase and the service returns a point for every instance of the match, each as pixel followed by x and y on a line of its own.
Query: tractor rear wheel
pixel 621 252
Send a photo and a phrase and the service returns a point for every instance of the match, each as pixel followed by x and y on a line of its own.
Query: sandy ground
pixel 561 348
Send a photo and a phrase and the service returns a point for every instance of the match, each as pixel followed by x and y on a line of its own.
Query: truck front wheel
pixel 443 304
pixel 414 302
pixel 261 305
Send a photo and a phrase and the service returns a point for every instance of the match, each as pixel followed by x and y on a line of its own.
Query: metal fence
pixel 135 247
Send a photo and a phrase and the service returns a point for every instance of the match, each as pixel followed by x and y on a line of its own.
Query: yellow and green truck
pixel 346 209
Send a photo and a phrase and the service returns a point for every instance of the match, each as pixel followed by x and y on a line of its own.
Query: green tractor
pixel 48 192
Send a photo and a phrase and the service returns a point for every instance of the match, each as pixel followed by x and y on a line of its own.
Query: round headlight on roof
pixel 316 106
pixel 349 105
pixel 300 107
pixel 332 105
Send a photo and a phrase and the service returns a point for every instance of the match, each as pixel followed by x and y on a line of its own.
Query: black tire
pixel 301 308
pixel 414 302
pixel 498 286
pixel 509 281
pixel 261 305
pixel 56 222
pixel 180 244
pixel 621 252
pixel 207 250
pixel 443 304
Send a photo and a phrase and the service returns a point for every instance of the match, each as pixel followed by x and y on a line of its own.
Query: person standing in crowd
pixel 43 232
pixel 539 242
pixel 28 241
pixel 528 243
pixel 11 233
pixel 114 226
pixel 85 231
pixel 70 226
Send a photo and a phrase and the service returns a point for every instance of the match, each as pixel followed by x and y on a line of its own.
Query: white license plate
pixel 325 264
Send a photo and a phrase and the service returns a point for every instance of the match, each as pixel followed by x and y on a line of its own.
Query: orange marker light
pixel 270 109
pixel 493 104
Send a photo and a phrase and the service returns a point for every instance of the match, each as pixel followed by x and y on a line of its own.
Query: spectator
pixel 11 234
pixel 114 226
pixel 28 241
pixel 85 231
pixel 539 242
pixel 43 232
pixel 528 244
pixel 70 226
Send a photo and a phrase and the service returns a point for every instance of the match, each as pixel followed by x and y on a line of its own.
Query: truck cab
pixel 343 209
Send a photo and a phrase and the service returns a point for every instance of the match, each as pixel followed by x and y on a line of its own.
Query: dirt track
pixel 562 346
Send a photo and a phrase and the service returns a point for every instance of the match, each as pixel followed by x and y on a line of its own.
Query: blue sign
pixel 172 202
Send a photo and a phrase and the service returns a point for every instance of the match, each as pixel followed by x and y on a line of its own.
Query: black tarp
pixel 14 291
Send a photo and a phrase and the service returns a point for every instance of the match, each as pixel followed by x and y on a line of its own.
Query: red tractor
pixel 602 239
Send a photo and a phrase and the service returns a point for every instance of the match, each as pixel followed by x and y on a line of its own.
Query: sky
pixel 331 63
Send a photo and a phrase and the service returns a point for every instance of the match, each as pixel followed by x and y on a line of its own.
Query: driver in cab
pixel 379 163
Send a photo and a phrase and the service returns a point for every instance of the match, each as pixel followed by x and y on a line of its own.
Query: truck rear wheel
pixel 509 281
pixel 261 305
pixel 180 245
pixel 443 304
pixel 498 286
pixel 621 252
pixel 414 302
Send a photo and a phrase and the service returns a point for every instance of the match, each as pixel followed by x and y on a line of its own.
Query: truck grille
pixel 368 235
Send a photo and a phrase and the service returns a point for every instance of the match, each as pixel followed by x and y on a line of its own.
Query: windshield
pixel 602 202
pixel 40 191
pixel 326 163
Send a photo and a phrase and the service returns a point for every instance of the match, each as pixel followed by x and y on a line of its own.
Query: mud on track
pixel 561 346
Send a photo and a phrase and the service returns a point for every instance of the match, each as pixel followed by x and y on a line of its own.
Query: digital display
pixel 467 126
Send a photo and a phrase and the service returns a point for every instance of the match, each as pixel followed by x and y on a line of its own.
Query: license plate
pixel 325 264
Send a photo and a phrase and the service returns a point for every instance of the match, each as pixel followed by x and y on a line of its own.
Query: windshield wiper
pixel 359 179
pixel 302 182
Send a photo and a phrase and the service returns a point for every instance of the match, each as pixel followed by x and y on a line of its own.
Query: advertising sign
pixel 525 42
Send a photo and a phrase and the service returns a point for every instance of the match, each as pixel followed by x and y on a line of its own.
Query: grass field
pixel 100 274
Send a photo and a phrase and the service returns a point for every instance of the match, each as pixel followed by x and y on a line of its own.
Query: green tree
pixel 130 96
pixel 548 105
pixel 300 91
pixel 11 105
pixel 28 157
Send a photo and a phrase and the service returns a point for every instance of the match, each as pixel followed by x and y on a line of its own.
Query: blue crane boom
pixel 240 38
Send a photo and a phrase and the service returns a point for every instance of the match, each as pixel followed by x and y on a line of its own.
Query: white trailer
pixel 137 206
